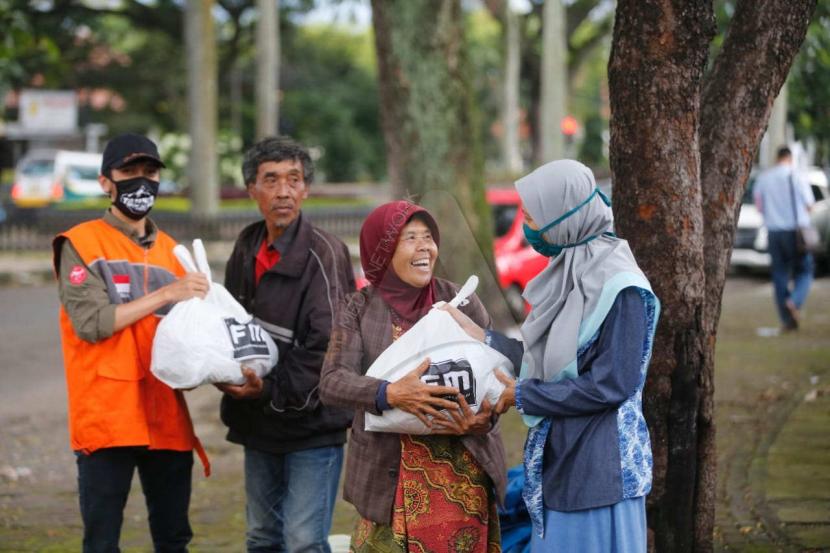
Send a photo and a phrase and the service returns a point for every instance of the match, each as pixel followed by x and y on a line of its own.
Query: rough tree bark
pixel 682 144
pixel 655 72
pixel 430 129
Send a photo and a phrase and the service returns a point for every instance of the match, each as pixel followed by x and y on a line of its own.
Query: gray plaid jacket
pixel 362 330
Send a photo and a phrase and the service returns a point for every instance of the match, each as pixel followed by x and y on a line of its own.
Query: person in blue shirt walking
pixel 586 349
pixel 785 200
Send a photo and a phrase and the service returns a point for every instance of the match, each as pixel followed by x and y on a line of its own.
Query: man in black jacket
pixel 291 276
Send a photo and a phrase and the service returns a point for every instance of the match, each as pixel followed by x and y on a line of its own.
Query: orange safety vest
pixel 114 399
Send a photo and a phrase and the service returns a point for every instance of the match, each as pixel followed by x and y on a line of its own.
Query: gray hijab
pixel 570 298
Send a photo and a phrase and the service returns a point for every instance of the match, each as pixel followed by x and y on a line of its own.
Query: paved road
pixel 38 502
pixel 31 368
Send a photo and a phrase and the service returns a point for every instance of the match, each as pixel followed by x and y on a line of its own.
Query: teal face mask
pixel 536 237
pixel 538 243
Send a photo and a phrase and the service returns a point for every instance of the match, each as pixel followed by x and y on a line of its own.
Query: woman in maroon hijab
pixel 414 493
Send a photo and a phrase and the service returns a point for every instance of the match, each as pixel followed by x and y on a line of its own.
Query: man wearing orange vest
pixel 116 277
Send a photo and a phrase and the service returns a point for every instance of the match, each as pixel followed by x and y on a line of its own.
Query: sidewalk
pixel 772 409
pixel 21 269
pixel 796 482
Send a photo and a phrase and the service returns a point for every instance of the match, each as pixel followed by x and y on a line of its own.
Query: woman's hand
pixel 422 400
pixel 507 398
pixel 462 420
pixel 464 322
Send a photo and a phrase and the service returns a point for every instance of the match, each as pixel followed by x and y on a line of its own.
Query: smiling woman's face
pixel 415 254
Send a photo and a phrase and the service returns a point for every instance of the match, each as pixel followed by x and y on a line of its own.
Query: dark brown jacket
pixel 362 330
pixel 294 302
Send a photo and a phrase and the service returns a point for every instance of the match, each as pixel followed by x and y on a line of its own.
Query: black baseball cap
pixel 127 148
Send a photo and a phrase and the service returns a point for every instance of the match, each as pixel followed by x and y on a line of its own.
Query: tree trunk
pixel 430 129
pixel 268 67
pixel 655 73
pixel 776 135
pixel 511 153
pixel 679 150
pixel 235 97
pixel 201 94
pixel 554 82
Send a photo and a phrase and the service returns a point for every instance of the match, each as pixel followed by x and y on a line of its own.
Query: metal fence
pixel 36 230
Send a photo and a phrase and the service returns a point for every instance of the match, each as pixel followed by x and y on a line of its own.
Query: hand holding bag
pixel 209 340
pixel 456 360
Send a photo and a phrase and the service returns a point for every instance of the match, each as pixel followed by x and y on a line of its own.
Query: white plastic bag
pixel 456 360
pixel 208 340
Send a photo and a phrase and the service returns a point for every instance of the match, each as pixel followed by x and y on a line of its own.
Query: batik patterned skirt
pixel 444 502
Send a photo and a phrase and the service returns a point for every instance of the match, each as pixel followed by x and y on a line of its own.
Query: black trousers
pixel 104 479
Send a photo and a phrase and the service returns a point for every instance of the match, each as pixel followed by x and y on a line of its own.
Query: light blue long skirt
pixel 618 528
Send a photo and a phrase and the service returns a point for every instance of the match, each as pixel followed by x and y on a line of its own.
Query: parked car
pixel 749 250
pixel 43 177
pixel 516 262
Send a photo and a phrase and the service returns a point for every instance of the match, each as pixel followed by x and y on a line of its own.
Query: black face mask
pixel 135 197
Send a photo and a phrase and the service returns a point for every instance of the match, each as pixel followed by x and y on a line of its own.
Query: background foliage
pixel 127 61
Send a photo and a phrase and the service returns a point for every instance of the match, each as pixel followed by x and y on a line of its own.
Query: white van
pixel 46 176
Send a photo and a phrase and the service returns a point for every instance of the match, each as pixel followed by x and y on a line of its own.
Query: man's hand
pixel 465 322
pixel 250 389
pixel 507 399
pixel 422 400
pixel 462 420
pixel 189 286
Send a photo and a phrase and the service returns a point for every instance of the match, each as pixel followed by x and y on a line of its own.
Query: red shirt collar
pixel 266 257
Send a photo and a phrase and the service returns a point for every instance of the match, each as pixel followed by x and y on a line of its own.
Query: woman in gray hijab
pixel 587 346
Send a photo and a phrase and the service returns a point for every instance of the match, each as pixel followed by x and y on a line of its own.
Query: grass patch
pixel 772 452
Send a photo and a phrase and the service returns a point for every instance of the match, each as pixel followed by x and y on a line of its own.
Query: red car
pixel 516 261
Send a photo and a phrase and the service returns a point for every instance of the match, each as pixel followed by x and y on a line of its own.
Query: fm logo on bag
pixel 247 339
pixel 456 373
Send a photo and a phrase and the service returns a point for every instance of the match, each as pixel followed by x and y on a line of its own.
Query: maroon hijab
pixel 378 240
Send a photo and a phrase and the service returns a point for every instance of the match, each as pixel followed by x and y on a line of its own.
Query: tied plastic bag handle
pixel 200 265
pixel 465 292
pixel 184 257
pixel 201 258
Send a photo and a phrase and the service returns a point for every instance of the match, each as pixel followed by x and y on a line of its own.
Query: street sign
pixel 48 111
